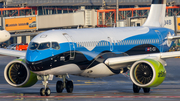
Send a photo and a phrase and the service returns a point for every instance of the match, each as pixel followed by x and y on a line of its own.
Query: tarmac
pixel 112 88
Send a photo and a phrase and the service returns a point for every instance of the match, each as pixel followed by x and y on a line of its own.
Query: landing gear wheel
pixel 45 91
pixel 136 88
pixel 42 92
pixel 48 92
pixel 146 90
pixel 59 86
pixel 69 86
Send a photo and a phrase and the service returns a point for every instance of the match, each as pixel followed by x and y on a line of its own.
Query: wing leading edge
pixel 134 58
pixel 13 53
pixel 173 37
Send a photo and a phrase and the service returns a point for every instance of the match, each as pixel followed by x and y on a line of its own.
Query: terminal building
pixel 26 18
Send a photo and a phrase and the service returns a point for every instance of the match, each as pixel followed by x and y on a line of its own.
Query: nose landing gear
pixel 45 91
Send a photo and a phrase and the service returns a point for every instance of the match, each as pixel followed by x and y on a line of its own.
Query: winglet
pixel 157 14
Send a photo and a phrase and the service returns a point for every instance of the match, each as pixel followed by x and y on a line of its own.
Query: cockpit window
pixel 55 45
pixel 44 46
pixel 33 46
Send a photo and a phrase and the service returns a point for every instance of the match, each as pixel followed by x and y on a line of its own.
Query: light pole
pixel 103 4
pixel 117 12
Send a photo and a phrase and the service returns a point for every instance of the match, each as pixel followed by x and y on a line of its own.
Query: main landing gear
pixel 60 85
pixel 136 89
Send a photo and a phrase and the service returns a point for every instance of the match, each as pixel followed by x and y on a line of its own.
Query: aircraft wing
pixel 134 58
pixel 13 53
pixel 173 37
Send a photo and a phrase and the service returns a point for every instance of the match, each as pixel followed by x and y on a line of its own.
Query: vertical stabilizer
pixel 157 14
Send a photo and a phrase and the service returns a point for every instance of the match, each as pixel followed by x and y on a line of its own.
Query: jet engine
pixel 147 73
pixel 17 74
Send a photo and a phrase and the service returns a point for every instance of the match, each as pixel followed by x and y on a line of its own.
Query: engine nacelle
pixel 17 74
pixel 147 73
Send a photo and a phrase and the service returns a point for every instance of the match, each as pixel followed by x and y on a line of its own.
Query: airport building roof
pixel 81 2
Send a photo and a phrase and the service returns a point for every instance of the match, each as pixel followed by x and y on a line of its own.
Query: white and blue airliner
pixel 96 52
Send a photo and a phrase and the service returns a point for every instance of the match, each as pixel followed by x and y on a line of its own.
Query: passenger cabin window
pixel 33 46
pixel 43 46
pixel 55 45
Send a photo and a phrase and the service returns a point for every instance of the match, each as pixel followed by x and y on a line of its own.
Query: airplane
pixel 4 35
pixel 95 53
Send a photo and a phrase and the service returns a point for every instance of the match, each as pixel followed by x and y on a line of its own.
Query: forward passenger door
pixel 71 47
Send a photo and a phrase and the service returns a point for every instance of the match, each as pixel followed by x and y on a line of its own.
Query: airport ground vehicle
pixel 19 47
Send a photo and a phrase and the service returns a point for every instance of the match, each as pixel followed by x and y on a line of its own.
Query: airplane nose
pixel 4 35
pixel 8 35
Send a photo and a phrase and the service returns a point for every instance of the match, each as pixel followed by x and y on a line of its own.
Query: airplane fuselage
pixel 83 51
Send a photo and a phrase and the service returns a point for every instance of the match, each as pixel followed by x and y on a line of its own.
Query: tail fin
pixel 157 14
